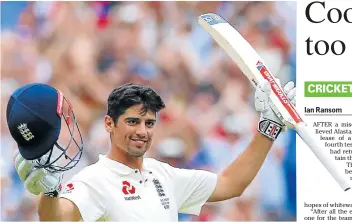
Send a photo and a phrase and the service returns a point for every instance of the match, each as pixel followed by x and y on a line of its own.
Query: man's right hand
pixel 37 180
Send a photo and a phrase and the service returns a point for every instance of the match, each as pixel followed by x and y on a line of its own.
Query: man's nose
pixel 141 130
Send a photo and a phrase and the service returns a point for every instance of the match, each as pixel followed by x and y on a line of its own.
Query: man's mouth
pixel 139 141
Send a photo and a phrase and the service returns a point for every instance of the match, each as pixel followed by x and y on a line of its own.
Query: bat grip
pixel 324 158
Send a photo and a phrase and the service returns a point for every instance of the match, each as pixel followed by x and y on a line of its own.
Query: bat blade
pixel 255 69
pixel 250 63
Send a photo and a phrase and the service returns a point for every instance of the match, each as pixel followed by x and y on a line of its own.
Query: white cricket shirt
pixel 111 191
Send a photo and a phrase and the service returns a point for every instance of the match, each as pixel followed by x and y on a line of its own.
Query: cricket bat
pixel 253 66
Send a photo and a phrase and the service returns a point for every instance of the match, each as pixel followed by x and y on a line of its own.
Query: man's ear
pixel 108 123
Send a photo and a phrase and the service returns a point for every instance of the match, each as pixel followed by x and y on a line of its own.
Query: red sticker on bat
pixel 278 92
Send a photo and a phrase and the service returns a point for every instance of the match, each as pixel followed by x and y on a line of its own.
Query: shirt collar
pixel 118 167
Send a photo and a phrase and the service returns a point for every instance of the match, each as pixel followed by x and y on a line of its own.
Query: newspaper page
pixel 324 55
pixel 90 50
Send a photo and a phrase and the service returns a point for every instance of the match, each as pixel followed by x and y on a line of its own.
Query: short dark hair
pixel 130 94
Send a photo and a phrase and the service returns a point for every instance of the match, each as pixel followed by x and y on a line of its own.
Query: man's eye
pixel 132 122
pixel 150 124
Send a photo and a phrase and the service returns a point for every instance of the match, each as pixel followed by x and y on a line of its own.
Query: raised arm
pixel 47 185
pixel 57 209
pixel 235 178
pixel 233 181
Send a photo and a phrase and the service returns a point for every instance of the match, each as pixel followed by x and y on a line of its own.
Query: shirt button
pixel 136 171
pixel 140 181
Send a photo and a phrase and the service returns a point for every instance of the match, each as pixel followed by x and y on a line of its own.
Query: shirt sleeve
pixel 85 198
pixel 192 189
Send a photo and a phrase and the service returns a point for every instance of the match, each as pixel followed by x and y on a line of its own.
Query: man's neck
pixel 121 156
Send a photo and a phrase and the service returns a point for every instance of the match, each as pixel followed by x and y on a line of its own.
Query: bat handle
pixel 324 158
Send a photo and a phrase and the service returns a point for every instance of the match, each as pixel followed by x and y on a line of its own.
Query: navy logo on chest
pixel 159 189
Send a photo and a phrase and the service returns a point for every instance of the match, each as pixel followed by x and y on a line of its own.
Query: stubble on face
pixel 135 131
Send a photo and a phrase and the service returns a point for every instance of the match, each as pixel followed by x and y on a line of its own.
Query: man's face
pixel 133 131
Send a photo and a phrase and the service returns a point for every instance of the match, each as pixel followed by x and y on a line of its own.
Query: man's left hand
pixel 270 125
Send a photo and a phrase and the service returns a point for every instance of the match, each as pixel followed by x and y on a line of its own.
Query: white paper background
pixel 314 183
